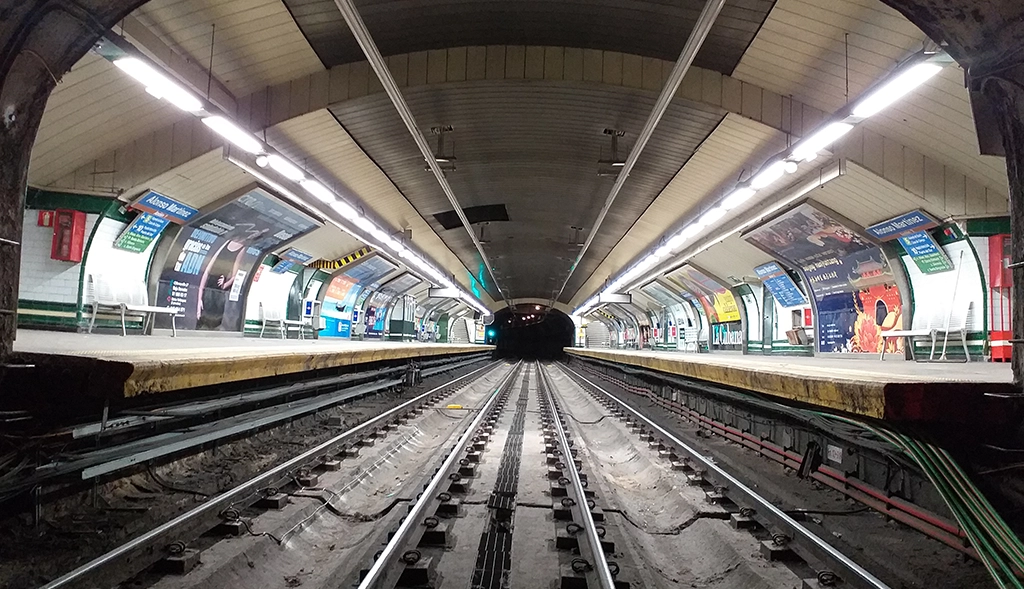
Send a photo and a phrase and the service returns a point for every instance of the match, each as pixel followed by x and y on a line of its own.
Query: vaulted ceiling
pixel 528 87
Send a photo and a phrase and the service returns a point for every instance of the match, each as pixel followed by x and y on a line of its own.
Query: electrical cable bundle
pixel 997 545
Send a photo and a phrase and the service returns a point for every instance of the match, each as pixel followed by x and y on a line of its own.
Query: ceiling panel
pixel 95 109
pixel 327 242
pixel 319 143
pixel 801 51
pixel 866 198
pixel 200 182
pixel 256 42
pixel 532 146
pixel 732 260
pixel 649 28
pixel 734 144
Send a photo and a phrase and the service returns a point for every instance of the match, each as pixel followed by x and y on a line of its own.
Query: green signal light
pixel 491 333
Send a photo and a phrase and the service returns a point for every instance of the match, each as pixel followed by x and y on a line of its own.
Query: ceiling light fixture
pixel 233 133
pixel 895 89
pixel 285 168
pixel 737 197
pixel 808 149
pixel 768 175
pixel 318 190
pixel 159 85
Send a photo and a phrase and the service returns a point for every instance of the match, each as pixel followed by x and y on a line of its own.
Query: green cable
pixel 994 522
pixel 966 516
pixel 958 503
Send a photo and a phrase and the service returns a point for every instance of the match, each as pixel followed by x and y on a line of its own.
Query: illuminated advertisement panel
pixel 717 300
pixel 212 257
pixel 337 307
pixel 852 283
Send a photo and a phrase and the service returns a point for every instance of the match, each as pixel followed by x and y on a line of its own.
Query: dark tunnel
pixel 532 332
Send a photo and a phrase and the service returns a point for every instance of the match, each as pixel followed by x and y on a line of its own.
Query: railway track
pixel 518 475
pixel 227 513
pixel 70 456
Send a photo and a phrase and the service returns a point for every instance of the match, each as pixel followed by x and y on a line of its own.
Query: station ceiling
pixel 528 88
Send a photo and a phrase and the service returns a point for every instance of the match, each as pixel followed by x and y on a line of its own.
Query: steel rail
pixel 155 540
pixel 366 43
pixel 379 572
pixel 778 516
pixel 693 44
pixel 605 579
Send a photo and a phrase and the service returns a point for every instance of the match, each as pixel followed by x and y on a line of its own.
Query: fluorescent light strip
pixel 233 133
pixel 160 86
pixel 806 150
pixel 895 89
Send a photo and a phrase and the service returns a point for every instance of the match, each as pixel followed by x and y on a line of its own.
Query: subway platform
pixel 892 389
pixel 116 367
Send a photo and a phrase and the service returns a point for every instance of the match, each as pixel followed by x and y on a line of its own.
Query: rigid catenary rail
pixel 838 562
pixel 146 549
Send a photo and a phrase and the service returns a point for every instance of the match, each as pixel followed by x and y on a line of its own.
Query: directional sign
pixel 779 283
pixel 928 256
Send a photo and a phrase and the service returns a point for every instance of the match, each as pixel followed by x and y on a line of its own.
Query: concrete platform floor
pixel 889 389
pixel 134 365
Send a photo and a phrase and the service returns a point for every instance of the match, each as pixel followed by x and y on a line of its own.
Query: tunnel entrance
pixel 532 332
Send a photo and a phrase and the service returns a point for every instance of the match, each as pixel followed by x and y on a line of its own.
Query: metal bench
pixel 129 298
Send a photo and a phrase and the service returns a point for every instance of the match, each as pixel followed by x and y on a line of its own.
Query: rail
pixel 387 566
pixel 598 574
pixel 185 527
pixel 854 573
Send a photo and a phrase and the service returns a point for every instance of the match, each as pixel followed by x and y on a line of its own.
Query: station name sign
pixel 911 230
pixel 156 211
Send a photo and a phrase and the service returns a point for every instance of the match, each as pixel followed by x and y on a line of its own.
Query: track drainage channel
pixel 494 557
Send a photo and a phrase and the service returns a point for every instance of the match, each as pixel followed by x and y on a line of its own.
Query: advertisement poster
pixel 336 310
pixel 376 312
pixel 660 294
pixel 852 283
pixel 781 285
pixel 211 258
pixel 718 303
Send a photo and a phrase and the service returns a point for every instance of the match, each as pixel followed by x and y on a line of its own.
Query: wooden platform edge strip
pixel 159 377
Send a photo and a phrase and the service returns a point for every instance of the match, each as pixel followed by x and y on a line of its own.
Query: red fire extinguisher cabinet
pixel 68 235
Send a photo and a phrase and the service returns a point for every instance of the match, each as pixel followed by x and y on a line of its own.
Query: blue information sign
pixel 140 233
pixel 926 253
pixel 781 285
pixel 906 223
pixel 289 259
pixel 164 206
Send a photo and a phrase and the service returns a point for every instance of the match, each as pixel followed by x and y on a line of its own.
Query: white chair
pixel 941 322
pixel 130 298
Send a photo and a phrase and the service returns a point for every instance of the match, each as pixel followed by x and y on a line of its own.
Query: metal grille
pixel 494 557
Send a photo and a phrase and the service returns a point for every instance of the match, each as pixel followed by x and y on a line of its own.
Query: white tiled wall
pixel 43 279
pixel 935 293
pixel 104 258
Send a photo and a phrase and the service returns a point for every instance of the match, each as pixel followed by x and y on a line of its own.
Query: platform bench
pixel 129 298
pixel 939 324
pixel 274 317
